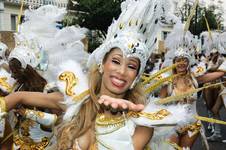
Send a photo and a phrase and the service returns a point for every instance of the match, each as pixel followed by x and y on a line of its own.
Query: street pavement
pixel 202 111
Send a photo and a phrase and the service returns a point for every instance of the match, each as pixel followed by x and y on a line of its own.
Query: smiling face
pixel 118 73
pixel 183 66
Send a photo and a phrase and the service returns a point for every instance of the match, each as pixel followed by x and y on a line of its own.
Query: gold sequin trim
pixel 36 113
pixel 30 145
pixel 3 83
pixel 159 115
pixel 194 128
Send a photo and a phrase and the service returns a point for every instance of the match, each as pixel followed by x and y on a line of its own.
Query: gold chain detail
pixel 30 145
pixel 159 115
pixel 103 120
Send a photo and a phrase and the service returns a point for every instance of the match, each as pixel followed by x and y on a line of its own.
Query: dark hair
pixel 33 81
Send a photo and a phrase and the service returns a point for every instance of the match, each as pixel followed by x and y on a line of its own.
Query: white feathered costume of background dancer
pixel 32 41
pixel 182 44
pixel 135 34
pixel 216 44
pixel 6 84
pixel 40 44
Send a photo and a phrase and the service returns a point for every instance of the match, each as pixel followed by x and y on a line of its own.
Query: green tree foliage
pixel 198 23
pixel 96 15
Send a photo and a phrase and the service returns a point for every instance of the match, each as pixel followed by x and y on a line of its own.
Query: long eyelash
pixel 132 67
pixel 115 61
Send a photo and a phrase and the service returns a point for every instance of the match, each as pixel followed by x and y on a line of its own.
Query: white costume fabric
pixel 135 34
pixel 38 44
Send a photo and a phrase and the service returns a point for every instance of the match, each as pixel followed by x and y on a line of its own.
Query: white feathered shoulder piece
pixel 6 81
pixel 59 51
pixel 67 65
pixel 159 115
pixel 73 83
pixel 65 45
pixel 183 45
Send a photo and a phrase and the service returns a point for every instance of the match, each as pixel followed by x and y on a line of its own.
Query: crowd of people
pixel 56 96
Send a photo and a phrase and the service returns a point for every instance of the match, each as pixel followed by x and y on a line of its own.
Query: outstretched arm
pixel 210 76
pixel 36 99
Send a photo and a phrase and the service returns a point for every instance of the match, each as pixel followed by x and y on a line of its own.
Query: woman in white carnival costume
pixel 32 125
pixel 186 80
pixel 28 62
pixel 101 119
pixel 104 110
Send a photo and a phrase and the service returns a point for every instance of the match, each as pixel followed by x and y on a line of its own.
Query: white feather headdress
pixel 179 44
pixel 135 31
pixel 33 38
pixel 213 44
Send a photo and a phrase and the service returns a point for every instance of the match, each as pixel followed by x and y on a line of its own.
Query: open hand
pixel 120 104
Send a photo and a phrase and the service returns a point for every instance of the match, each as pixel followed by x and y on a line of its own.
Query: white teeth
pixel 118 81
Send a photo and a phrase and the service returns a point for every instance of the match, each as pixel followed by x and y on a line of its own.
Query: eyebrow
pixel 134 60
pixel 130 59
pixel 118 55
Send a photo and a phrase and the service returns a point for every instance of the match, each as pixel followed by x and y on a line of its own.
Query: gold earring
pixel 100 69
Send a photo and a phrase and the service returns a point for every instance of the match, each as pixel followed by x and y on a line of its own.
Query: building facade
pixel 10 9
pixel 219 6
